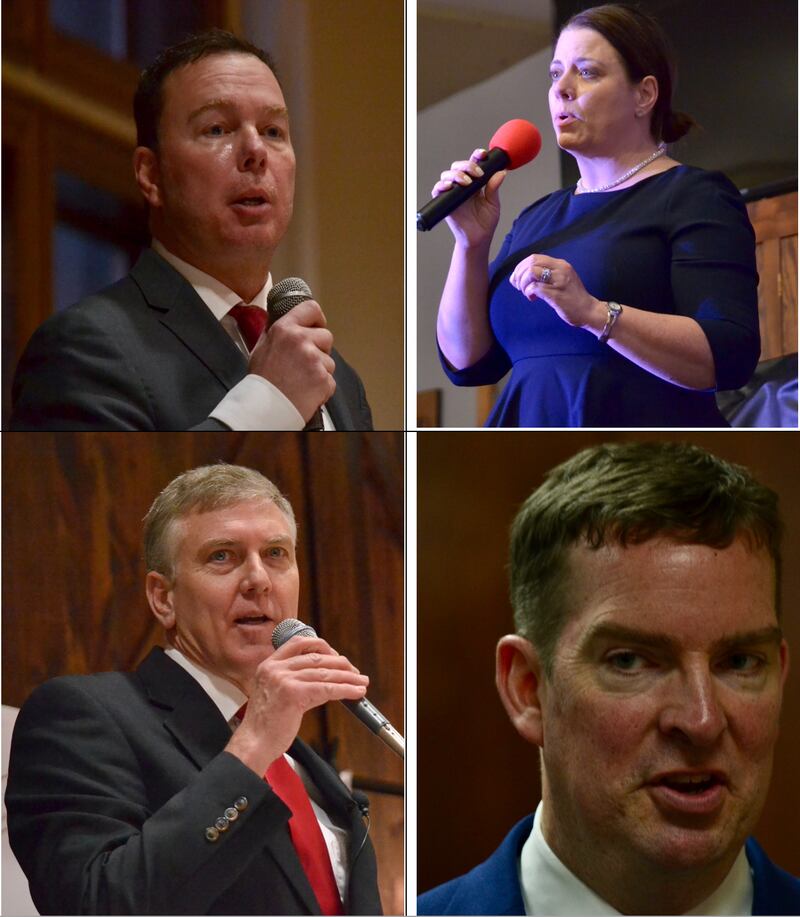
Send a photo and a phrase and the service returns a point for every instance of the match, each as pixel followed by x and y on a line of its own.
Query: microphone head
pixel 285 295
pixel 290 627
pixel 519 139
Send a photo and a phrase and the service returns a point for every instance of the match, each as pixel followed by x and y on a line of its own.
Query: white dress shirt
pixel 253 403
pixel 228 699
pixel 548 887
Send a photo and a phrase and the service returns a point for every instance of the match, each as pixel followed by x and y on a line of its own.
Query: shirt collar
pixel 548 887
pixel 219 298
pixel 226 696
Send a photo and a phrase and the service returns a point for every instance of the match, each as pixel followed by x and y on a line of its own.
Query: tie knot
pixel 251 321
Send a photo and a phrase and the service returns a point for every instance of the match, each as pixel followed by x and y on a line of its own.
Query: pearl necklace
pixel 662 148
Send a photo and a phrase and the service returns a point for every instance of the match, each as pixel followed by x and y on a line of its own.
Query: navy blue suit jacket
pixel 493 886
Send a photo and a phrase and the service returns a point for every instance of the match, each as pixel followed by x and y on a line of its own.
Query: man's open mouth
pixel 251 201
pixel 693 784
pixel 252 620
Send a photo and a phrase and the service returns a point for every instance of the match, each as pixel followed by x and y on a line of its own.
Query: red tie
pixel 306 834
pixel 251 321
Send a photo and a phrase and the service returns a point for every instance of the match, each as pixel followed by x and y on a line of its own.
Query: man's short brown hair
pixel 629 493
pixel 148 102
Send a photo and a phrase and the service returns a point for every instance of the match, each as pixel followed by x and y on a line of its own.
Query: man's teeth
pixel 694 778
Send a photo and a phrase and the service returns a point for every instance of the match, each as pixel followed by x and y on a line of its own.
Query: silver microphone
pixel 369 715
pixel 282 298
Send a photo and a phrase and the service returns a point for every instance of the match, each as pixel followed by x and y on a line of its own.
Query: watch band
pixel 614 312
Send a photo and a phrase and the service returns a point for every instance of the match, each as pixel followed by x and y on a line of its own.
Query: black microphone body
pixel 282 298
pixel 445 203
pixel 369 715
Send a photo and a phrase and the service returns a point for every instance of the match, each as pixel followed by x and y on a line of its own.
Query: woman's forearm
pixel 462 325
pixel 672 347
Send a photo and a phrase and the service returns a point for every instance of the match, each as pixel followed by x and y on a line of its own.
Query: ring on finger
pixel 546 275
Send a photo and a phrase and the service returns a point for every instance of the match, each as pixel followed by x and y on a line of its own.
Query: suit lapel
pixel 189 713
pixel 188 318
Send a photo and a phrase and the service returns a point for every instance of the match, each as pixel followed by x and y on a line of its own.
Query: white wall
pixel 451 130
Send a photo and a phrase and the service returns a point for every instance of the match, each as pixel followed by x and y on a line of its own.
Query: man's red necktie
pixel 251 321
pixel 306 834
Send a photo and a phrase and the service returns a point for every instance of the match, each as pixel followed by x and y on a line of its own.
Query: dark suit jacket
pixel 114 779
pixel 493 886
pixel 144 354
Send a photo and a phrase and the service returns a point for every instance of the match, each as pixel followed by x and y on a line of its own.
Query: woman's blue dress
pixel 678 243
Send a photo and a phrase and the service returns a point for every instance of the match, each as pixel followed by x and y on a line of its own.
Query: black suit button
pixel 241 803
pixel 221 823
pixel 231 814
pixel 211 834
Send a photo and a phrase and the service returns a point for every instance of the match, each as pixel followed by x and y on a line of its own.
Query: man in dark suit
pixel 181 342
pixel 159 791
pixel 648 668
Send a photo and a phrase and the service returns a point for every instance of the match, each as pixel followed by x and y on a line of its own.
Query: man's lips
pixel 252 620
pixel 694 792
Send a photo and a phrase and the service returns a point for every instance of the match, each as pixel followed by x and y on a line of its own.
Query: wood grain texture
pixel 73 576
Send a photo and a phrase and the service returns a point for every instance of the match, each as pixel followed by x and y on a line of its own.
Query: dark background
pixel 476 776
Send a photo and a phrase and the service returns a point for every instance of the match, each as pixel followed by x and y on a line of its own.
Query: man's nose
pixel 693 708
pixel 256 576
pixel 252 150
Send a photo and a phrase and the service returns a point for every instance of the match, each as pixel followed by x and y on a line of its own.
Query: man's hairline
pixel 176 523
pixel 610 540
pixel 214 52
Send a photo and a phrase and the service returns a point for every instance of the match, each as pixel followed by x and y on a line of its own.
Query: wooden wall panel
pixel 475 776
pixel 73 596
pixel 774 220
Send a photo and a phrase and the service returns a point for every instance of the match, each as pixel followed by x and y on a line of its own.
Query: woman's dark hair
pixel 149 99
pixel 643 46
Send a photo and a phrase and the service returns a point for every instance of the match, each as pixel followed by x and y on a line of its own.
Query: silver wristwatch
pixel 614 312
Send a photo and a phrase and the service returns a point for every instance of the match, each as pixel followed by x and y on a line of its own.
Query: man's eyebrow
pixel 212 543
pixel 272 110
pixel 658 640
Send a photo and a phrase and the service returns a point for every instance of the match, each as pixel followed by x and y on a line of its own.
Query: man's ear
pixel 159 595
pixel 148 175
pixel 519 680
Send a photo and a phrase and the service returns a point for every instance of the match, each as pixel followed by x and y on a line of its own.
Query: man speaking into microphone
pixel 184 342
pixel 182 788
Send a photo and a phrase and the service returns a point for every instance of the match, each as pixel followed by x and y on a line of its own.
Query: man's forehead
pixel 257 516
pixel 688 592
pixel 225 75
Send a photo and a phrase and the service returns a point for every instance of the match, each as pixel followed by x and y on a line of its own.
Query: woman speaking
pixel 626 300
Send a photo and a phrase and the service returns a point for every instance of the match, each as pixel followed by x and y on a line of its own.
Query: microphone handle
pixel 316 423
pixel 445 203
pixel 376 722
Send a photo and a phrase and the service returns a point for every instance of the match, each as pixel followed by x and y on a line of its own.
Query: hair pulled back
pixel 643 46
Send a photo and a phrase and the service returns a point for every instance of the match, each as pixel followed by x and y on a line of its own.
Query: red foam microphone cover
pixel 520 139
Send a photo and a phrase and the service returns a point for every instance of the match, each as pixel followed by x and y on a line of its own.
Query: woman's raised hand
pixel 472 223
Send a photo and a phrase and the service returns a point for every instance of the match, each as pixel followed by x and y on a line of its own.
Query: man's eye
pixel 277 552
pixel 626 661
pixel 216 130
pixel 745 663
pixel 275 132
pixel 219 556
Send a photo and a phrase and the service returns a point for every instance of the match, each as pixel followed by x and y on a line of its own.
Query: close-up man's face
pixel 225 160
pixel 662 712
pixel 234 578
